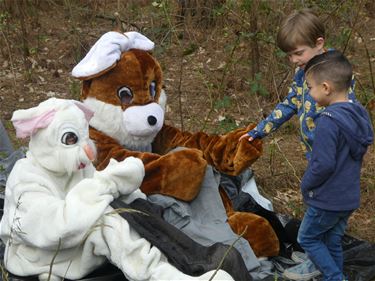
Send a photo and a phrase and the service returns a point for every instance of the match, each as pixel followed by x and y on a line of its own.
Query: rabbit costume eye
pixel 69 134
pixel 69 138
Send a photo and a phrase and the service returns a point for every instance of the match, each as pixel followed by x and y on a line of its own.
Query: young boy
pixel 301 36
pixel 331 183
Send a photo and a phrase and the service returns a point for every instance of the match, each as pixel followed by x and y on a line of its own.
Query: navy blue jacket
pixel 332 179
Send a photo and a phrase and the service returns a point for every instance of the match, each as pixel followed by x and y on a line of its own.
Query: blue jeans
pixel 320 235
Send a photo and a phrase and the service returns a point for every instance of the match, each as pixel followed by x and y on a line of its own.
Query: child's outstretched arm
pixel 282 113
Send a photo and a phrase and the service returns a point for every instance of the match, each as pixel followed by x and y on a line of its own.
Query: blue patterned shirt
pixel 298 101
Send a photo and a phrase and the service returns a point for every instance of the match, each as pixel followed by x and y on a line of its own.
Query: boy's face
pixel 318 91
pixel 303 53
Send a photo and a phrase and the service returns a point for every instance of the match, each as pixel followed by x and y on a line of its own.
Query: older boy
pixel 331 183
pixel 301 36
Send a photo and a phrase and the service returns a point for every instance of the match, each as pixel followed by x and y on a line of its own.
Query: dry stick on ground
pixel 181 70
pixel 211 109
pixel 179 92
pixel 25 46
pixel 370 69
pixel 123 22
pixel 227 64
pixel 221 84
pixel 338 6
pixel 286 159
pixel 255 53
pixel 353 27
pixel 226 253
pixel 284 80
pixel 181 73
pixel 10 61
pixel 271 160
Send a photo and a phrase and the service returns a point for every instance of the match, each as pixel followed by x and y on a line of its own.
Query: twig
pixel 10 60
pixel 368 100
pixel 333 11
pixel 352 27
pixel 4 272
pixel 275 141
pixel 113 19
pixel 125 210
pixel 369 63
pixel 53 260
pixel 229 62
pixel 179 92
pixel 227 252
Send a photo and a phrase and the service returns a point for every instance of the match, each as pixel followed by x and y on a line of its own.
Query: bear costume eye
pixel 69 138
pixel 153 89
pixel 125 95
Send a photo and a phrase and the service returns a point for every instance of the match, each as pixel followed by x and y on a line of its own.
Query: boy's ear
pixel 320 43
pixel 327 87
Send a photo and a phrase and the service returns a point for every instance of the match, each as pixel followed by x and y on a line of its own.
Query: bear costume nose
pixel 151 120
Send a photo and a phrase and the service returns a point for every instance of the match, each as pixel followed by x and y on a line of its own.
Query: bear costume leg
pixel 259 233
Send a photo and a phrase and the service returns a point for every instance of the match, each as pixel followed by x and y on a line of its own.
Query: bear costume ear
pixel 105 53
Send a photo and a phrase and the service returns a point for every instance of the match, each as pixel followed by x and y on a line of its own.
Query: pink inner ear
pixel 28 127
pixel 87 111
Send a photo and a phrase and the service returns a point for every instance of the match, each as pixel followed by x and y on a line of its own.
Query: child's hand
pixel 244 136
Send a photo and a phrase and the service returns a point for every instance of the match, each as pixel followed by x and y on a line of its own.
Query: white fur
pixel 163 100
pixel 107 118
pixel 136 123
pixel 112 121
pixel 107 51
pixel 48 150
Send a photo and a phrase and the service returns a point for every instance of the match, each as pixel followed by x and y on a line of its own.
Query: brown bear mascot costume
pixel 122 84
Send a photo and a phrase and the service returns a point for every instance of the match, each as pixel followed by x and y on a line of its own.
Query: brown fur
pixel 255 229
pixel 179 173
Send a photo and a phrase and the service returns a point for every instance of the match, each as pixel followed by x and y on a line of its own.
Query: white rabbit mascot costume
pixel 57 221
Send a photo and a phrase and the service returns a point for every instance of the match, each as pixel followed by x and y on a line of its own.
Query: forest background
pixel 222 70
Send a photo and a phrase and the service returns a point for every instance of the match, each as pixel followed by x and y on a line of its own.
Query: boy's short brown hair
pixel 302 27
pixel 331 66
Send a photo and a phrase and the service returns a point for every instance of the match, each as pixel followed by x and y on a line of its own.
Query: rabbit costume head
pixel 59 136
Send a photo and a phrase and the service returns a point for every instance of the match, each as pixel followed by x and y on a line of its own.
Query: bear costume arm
pixel 163 173
pixel 225 152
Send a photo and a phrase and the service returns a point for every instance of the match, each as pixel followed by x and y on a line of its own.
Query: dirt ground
pixel 219 72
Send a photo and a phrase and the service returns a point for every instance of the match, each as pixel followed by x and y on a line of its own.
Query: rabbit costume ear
pixel 28 121
pixel 107 51
pixel 84 108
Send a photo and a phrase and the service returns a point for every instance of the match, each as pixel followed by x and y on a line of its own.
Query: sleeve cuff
pixel 255 134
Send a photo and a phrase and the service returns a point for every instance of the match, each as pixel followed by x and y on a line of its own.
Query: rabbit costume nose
pixel 89 152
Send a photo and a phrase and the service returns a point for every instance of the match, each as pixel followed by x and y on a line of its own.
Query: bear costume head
pixel 122 84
